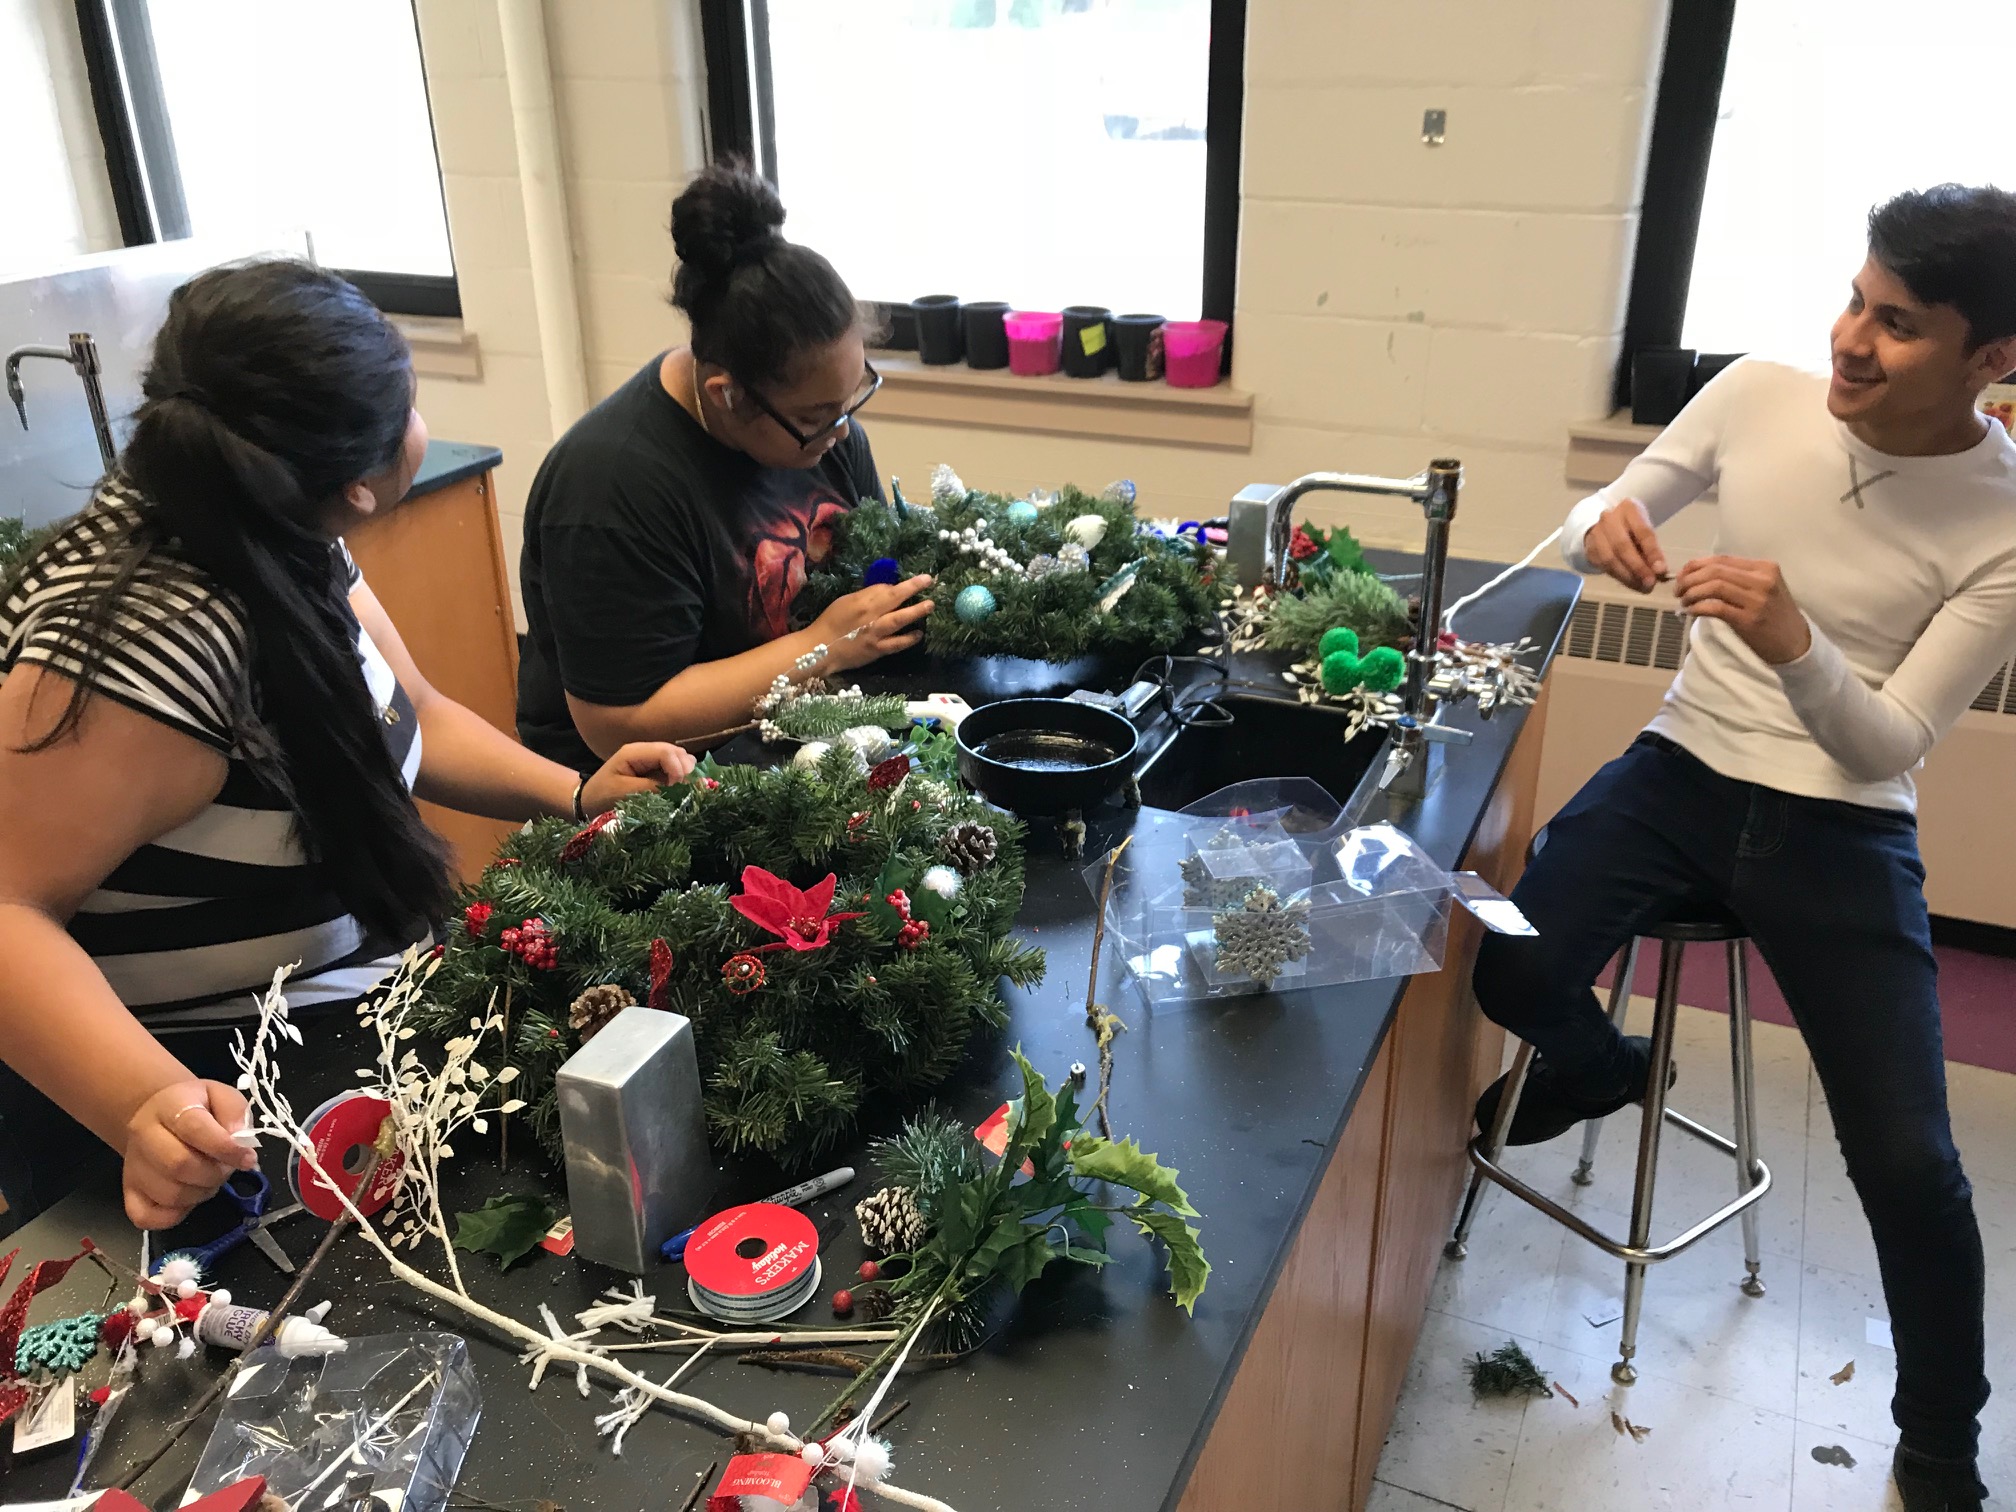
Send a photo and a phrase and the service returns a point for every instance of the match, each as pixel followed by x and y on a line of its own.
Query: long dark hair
pixel 273 385
pixel 755 301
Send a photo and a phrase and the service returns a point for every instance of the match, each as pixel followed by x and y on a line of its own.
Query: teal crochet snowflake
pixel 61 1347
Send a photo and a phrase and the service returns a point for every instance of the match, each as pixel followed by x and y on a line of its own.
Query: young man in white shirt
pixel 1862 593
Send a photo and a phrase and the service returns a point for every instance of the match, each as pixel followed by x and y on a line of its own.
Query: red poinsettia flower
pixel 798 916
pixel 1302 545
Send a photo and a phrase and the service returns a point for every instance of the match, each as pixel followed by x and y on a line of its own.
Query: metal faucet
pixel 1262 517
pixel 82 355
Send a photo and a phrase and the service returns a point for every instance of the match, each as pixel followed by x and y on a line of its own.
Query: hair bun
pixel 726 218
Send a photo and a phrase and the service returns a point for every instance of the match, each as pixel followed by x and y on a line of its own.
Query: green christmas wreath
pixel 834 936
pixel 1056 581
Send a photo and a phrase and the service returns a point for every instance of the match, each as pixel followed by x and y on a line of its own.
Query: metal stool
pixel 1753 1177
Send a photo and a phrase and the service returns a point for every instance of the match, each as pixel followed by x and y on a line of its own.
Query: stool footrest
pixel 1622 1250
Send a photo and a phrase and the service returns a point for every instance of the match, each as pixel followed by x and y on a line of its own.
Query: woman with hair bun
pixel 210 738
pixel 669 530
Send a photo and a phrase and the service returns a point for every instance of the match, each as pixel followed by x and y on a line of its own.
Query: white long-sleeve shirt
pixel 1905 568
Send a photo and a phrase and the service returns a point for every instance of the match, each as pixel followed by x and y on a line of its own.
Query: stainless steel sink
pixel 1267 738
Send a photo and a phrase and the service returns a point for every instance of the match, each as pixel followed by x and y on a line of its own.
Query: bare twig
pixel 888 1417
pixel 699 1486
pixel 1103 1024
pixel 821 1360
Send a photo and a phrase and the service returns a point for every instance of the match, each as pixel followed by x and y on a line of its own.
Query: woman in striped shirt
pixel 210 735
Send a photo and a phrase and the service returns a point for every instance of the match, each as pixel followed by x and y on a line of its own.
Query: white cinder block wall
pixel 1396 301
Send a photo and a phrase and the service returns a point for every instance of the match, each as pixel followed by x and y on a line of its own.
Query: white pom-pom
pixel 185 1289
pixel 942 880
pixel 140 1306
pixel 778 1422
pixel 220 1298
pixel 808 755
pixel 144 1330
pixel 813 1454
pixel 872 1460
pixel 842 1449
pixel 163 1337
pixel 176 1269
pixel 186 1349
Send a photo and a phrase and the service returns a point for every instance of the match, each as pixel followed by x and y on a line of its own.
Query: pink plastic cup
pixel 1194 351
pixel 1035 342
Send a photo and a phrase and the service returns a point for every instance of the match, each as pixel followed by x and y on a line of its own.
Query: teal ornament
pixel 1337 638
pixel 974 604
pixel 1022 512
pixel 61 1348
pixel 1383 669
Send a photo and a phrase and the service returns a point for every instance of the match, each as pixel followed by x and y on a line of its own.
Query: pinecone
pixel 874 1303
pixel 595 1007
pixel 890 1222
pixel 969 845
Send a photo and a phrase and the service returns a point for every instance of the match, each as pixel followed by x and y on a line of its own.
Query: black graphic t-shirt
pixel 650 546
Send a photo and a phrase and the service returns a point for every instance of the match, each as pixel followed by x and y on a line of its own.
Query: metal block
pixel 1249 525
pixel 638 1166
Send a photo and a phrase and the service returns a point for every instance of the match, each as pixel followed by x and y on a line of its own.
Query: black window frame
pixel 141 164
pixel 739 97
pixel 1676 178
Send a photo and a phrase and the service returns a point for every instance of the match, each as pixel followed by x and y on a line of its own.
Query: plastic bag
pixel 387 1419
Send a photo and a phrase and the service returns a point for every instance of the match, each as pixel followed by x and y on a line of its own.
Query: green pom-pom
pixel 1383 669
pixel 1337 638
pixel 1342 671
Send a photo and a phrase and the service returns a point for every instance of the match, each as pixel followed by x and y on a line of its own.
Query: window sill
pixel 442 347
pixel 1220 418
pixel 1600 450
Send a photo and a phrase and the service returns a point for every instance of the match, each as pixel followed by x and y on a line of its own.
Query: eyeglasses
pixel 805 442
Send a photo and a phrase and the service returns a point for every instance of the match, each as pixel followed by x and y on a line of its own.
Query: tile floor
pixel 1737 1392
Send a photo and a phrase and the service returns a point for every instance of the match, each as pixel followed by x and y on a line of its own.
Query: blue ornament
pixel 1121 492
pixel 974 604
pixel 881 570
pixel 1022 512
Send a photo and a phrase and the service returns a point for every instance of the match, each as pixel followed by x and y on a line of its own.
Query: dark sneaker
pixel 1935 1485
pixel 1548 1109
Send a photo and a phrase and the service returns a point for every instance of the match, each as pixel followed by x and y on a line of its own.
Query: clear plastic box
pixel 388 1419
pixel 1353 904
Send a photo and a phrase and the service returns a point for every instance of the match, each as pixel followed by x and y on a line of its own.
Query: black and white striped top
pixel 188 929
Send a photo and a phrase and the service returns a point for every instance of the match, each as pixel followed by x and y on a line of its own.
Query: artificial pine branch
pixel 1356 600
pixel 1507 1371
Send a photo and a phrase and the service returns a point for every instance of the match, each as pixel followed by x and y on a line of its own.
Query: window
pixel 1042 152
pixel 1779 124
pixel 245 119
pixel 45 222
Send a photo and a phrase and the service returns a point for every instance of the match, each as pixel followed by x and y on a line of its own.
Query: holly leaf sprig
pixel 507 1227
pixel 1045 1200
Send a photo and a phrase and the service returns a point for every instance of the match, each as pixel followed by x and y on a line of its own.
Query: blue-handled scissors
pixel 251 1200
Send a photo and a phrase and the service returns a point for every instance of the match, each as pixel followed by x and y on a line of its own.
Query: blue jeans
pixel 1833 895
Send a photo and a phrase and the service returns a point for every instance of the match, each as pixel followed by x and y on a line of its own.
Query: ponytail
pixel 273 386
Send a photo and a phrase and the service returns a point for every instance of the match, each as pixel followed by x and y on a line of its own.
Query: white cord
pixel 1449 614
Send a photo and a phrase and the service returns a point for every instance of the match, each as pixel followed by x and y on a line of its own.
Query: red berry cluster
pixel 914 931
pixel 475 918
pixel 532 942
pixel 1301 545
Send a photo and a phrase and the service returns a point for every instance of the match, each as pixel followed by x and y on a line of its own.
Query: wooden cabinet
pixel 1307 1414
pixel 437 565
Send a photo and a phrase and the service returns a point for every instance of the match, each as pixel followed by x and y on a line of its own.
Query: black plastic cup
pixel 1660 379
pixel 1137 346
pixel 1706 366
pixel 986 337
pixel 1088 340
pixel 941 337
pixel 899 328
